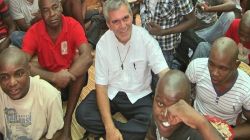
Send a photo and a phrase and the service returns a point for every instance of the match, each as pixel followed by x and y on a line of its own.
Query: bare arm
pixel 83 62
pixel 11 27
pixel 104 107
pixel 226 6
pixel 22 24
pixel 183 112
pixel 242 130
pixel 188 22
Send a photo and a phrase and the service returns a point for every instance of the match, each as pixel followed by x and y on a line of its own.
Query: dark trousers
pixel 137 114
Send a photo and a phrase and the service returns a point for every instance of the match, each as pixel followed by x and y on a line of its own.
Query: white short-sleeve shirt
pixel 142 53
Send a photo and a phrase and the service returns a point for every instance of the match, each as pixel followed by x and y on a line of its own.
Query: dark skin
pixel 171 104
pixel 19 62
pixel 244 28
pixel 222 66
pixel 71 77
pixel 7 20
pixel 73 8
pixel 188 22
pixel 23 25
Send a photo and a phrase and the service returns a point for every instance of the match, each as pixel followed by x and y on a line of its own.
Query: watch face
pixel 222 127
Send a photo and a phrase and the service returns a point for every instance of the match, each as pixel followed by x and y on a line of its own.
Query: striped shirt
pixel 226 106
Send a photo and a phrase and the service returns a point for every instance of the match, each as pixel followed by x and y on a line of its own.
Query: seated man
pixel 25 13
pixel 125 55
pixel 209 27
pixel 174 118
pixel 30 108
pixel 239 31
pixel 63 54
pixel 7 26
pixel 222 90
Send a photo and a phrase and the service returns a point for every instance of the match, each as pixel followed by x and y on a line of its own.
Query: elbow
pixel 89 60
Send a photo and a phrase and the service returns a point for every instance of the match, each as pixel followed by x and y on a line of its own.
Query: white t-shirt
pixel 36 115
pixel 142 53
pixel 226 106
pixel 20 9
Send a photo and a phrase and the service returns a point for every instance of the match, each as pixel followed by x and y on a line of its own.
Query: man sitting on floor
pixel 30 108
pixel 222 90
pixel 125 56
pixel 63 54
pixel 174 118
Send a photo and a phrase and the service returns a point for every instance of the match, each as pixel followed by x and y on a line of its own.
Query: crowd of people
pixel 163 76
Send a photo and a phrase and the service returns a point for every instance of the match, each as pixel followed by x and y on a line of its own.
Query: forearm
pixel 226 7
pixel 46 75
pixel 188 22
pixel 242 131
pixel 104 106
pixel 82 63
pixel 208 132
pixel 75 89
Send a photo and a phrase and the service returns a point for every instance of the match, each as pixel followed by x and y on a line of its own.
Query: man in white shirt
pixel 125 55
pixel 30 108
pixel 222 90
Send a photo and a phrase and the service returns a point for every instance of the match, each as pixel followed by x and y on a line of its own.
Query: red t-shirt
pixel 3 13
pixel 59 55
pixel 232 32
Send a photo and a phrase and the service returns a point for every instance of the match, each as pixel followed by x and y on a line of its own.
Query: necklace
pixel 122 61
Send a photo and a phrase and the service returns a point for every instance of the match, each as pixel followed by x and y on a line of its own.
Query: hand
pixel 37 17
pixel 113 134
pixel 183 112
pixel 203 6
pixel 62 78
pixel 61 135
pixel 154 28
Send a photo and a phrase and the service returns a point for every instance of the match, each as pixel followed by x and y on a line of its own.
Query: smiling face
pixel 169 92
pixel 120 22
pixel 51 11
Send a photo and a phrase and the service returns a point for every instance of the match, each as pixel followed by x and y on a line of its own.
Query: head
pixel 223 61
pixel 118 15
pixel 244 28
pixel 51 12
pixel 172 87
pixel 14 73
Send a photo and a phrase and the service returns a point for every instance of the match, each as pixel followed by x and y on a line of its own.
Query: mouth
pixel 14 92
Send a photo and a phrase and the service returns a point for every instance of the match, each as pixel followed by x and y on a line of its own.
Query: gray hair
pixel 111 5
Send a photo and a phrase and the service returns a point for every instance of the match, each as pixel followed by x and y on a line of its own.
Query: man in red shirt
pixel 239 31
pixel 63 52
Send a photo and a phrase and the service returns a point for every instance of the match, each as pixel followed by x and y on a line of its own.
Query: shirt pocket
pixel 139 71
pixel 165 10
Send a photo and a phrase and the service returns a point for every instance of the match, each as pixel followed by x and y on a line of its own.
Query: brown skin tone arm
pixel 188 22
pixel 78 69
pixel 22 24
pixel 104 107
pixel 11 27
pixel 242 130
pixel 226 6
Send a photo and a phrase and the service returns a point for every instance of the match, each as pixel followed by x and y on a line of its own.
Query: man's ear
pixel 108 24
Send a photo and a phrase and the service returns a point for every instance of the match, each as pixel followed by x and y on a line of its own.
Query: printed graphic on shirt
pixel 64 48
pixel 17 125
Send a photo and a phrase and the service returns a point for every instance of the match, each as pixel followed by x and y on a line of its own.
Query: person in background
pixel 7 27
pixel 64 55
pixel 30 108
pixel 222 90
pixel 25 13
